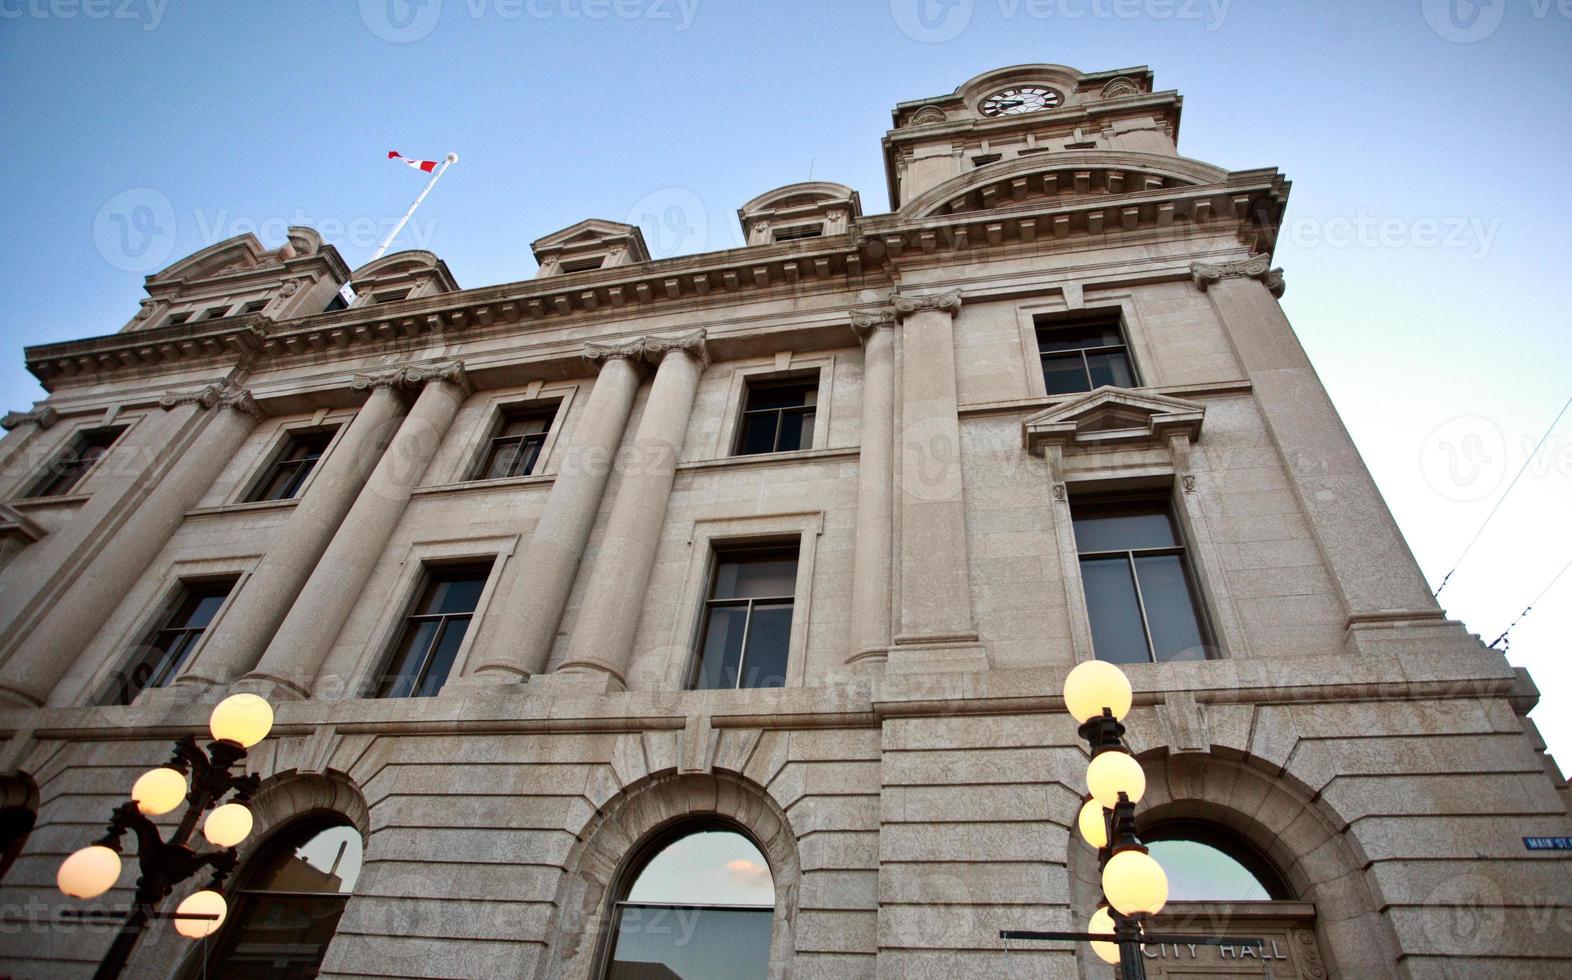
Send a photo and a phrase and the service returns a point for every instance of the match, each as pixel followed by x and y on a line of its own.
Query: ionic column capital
pixel 631 351
pixel 413 377
pixel 42 417
pixel 906 304
pixel 222 395
pixel 1259 267
pixel 867 322
pixel 692 344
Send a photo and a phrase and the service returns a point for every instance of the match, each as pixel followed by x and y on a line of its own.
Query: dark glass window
pixel 175 318
pixel 338 302
pixel 254 306
pixel 747 619
pixel 1207 863
pixel 583 265
pixel 166 650
pixel 798 232
pixel 778 417
pixel 390 296
pixel 515 447
pixel 700 909
pixel 434 631
pixel 66 470
pixel 213 313
pixel 1084 355
pixel 296 459
pixel 287 907
pixel 1139 593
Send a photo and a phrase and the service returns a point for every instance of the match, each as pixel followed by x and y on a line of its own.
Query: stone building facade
pixel 910 427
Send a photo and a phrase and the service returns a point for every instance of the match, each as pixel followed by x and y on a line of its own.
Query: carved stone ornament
pixel 414 377
pixel 691 344
pixel 144 311
pixel 42 417
pixel 1206 274
pixel 905 305
pixel 865 322
pixel 927 115
pixel 221 395
pixel 1119 86
pixel 632 350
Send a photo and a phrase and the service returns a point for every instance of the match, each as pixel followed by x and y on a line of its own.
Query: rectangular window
pixel 1140 595
pixel 514 447
pixel 584 265
pixel 1082 355
pixel 213 313
pixel 67 470
pixel 434 631
pixel 177 318
pixel 798 232
pixel 390 296
pixel 166 650
pixel 747 618
pixel 254 306
pixel 778 416
pixel 295 461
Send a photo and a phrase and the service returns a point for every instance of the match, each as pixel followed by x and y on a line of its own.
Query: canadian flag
pixel 425 165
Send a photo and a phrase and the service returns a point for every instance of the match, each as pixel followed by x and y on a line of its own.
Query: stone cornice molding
pixel 413 377
pixel 221 395
pixel 631 351
pixel 1259 267
pixel 905 304
pixel 691 344
pixel 867 322
pixel 42 417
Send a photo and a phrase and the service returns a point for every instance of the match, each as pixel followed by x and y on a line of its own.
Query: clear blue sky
pixel 1424 256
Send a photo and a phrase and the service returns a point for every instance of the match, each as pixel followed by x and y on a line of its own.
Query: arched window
pixel 1208 864
pixel 698 904
pixel 287 903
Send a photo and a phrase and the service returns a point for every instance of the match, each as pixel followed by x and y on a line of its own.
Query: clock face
pixel 1015 101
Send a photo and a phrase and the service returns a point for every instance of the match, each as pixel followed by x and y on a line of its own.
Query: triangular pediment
pixel 612 243
pixel 1112 415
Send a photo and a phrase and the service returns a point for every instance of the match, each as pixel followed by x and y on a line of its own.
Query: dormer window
pixel 983 159
pixel 255 306
pixel 799 232
pixel 589 245
pixel 177 318
pixel 213 313
pixel 390 296
pixel 584 265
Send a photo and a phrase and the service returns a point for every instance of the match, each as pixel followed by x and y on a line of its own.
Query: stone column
pixel 602 641
pixel 515 644
pixel 936 621
pixel 216 420
pixel 265 598
pixel 1380 583
pixel 871 554
pixel 296 654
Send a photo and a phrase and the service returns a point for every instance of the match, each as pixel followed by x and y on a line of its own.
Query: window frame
pixel 1184 548
pixel 719 556
pixel 784 366
pixel 1047 323
pixel 46 483
pixel 275 459
pixel 797 233
pixel 548 409
pixel 429 573
pixel 1230 844
pixel 805 381
pixel 171 603
pixel 1068 302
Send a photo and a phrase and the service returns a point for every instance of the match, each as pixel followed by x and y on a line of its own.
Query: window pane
pixel 1200 873
pixel 769 639
pixel 400 679
pixel 722 647
pixel 661 943
pixel 1064 374
pixel 1073 337
pixel 766 576
pixel 202 609
pixel 529 452
pixel 1117 635
pixel 325 861
pixel 1170 608
pixel 454 593
pixel 791 395
pixel 442 659
pixel 504 452
pixel 1119 527
pixel 796 432
pixel 1110 368
pixel 758 434
pixel 712 867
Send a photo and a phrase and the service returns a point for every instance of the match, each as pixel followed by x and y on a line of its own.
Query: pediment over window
pixel 1115 417
pixel 811 209
pixel 591 244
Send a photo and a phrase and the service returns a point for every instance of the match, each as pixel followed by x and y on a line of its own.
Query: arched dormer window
pixel 697 903
pixel 1206 863
pixel 288 900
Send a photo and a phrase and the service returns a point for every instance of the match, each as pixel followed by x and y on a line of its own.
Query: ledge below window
pixel 771 459
pixel 243 507
pixel 482 486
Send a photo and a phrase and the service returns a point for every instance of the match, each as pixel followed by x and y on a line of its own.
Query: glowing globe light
pixel 1102 922
pixel 204 902
pixel 228 825
pixel 1135 884
pixel 159 790
pixel 1094 829
pixel 1112 773
pixel 89 872
pixel 242 718
pixel 1096 685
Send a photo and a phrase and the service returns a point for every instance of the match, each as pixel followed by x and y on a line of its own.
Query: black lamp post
pixel 237 723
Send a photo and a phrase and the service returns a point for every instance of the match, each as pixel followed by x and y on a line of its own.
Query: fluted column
pixel 871 554
pixel 297 652
pixel 516 642
pixel 236 645
pixel 47 651
pixel 935 581
pixel 602 643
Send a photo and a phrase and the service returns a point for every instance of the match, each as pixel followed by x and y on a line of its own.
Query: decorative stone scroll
pixel 221 395
pixel 692 344
pixel 42 417
pixel 907 304
pixel 414 377
pixel 1206 274
pixel 631 351
pixel 865 322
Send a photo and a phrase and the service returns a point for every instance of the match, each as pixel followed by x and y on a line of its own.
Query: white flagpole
pixel 348 293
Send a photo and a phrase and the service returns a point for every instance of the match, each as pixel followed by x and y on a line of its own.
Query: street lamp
pixel 1134 885
pixel 237 723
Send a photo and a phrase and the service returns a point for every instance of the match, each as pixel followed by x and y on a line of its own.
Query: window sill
pixel 482 486
pixel 772 459
pixel 244 507
pixel 30 503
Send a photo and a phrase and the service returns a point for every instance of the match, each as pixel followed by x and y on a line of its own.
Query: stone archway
pixel 614 836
